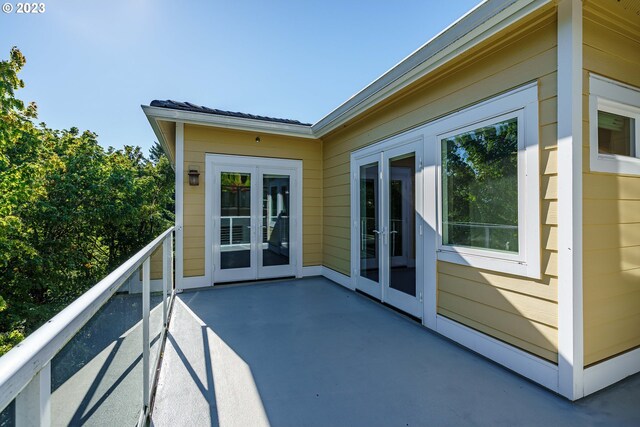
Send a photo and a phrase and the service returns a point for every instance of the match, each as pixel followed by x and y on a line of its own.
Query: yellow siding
pixel 199 140
pixel 520 311
pixel 611 210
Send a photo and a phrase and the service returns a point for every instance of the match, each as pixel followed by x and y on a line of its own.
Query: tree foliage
pixel 70 211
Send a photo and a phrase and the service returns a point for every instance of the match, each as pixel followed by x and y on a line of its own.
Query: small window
pixel 616 134
pixel 615 124
pixel 480 187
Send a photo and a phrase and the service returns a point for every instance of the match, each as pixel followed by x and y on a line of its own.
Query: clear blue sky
pixel 91 64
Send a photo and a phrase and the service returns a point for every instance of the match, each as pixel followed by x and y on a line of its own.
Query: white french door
pixel 387 228
pixel 255 218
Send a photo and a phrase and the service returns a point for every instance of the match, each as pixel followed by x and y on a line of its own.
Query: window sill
pixel 490 261
pixel 611 163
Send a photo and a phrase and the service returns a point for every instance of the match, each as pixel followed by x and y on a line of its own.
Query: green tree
pixel 70 211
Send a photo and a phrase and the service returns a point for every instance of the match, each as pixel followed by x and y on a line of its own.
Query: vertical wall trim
pixel 570 319
pixel 179 232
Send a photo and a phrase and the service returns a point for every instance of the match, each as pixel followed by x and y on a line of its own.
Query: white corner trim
pixel 337 277
pixel 570 302
pixel 535 368
pixel 314 270
pixel 179 207
pixel 611 371
pixel 237 123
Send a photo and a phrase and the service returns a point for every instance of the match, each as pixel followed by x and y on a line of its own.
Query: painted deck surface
pixel 308 352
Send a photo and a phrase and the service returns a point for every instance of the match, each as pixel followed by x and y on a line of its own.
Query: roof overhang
pixel 161 138
pixel 226 122
pixel 485 20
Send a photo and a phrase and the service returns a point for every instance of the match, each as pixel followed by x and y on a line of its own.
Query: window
pixel 488 204
pixel 480 187
pixel 614 116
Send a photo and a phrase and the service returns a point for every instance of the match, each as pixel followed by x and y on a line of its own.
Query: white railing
pixel 230 234
pixel 484 228
pixel 25 371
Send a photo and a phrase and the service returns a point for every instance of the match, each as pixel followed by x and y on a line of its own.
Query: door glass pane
pixel 275 220
pixel 402 223
pixel 369 265
pixel 235 220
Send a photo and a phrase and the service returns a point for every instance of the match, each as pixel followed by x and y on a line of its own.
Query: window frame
pixel 520 103
pixel 613 97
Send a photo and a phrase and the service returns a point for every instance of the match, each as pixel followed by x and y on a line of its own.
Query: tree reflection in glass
pixel 480 187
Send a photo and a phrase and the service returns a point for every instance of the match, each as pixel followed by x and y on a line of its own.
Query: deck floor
pixel 311 353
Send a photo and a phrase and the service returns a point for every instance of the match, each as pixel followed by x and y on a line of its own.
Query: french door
pixel 255 220
pixel 387 225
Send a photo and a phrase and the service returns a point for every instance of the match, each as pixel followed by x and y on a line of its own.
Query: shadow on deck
pixel 308 352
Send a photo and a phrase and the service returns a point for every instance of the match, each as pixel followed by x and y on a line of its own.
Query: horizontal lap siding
pixel 200 140
pixel 611 203
pixel 520 311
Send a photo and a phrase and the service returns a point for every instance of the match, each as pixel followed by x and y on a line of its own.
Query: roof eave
pixel 161 139
pixel 226 122
pixel 480 23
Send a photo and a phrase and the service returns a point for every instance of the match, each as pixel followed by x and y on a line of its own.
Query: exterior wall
pixel 520 311
pixel 200 140
pixel 611 209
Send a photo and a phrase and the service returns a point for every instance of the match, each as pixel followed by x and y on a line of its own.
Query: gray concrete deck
pixel 310 353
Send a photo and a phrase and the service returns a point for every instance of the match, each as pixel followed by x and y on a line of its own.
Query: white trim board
pixel 179 205
pixel 570 301
pixel 339 278
pixel 535 368
pixel 313 270
pixel 611 371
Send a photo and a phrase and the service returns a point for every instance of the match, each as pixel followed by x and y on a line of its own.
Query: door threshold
pixel 389 306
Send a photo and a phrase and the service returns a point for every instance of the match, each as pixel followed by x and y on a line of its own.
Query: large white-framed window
pixel 614 126
pixel 488 185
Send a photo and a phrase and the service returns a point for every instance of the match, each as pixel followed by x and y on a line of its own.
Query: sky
pixel 92 63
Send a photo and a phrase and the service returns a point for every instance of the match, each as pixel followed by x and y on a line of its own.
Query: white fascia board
pixel 161 139
pixel 480 23
pixel 236 123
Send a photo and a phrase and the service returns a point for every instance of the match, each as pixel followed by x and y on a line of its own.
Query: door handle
pixel 393 232
pixel 377 232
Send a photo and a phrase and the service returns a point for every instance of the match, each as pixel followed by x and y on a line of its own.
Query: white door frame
pixel 259 165
pixel 380 153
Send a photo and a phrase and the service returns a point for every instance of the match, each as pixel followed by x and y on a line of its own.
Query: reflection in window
pixel 615 134
pixel 480 188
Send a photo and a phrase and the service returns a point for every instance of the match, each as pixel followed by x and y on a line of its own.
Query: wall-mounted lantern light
pixel 194 176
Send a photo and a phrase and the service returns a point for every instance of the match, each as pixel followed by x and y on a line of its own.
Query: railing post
pixel 33 404
pixel 146 273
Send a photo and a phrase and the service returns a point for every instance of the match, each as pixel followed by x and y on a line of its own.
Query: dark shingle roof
pixel 187 106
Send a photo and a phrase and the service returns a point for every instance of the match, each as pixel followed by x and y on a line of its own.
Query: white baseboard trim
pixel 528 365
pixel 314 270
pixel 339 278
pixel 193 283
pixel 611 371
